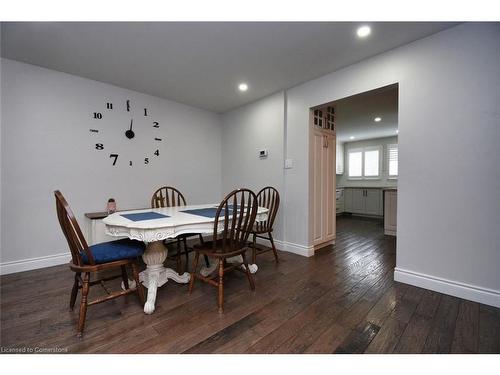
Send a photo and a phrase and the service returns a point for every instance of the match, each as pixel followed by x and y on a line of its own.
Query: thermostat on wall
pixel 263 154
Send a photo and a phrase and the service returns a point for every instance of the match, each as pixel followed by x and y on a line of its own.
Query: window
pixel 355 163
pixel 371 163
pixel 364 163
pixel 392 152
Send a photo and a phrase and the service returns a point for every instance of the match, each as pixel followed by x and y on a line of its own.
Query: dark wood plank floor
pixel 343 300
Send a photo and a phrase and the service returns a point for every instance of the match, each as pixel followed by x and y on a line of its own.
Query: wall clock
pixel 119 134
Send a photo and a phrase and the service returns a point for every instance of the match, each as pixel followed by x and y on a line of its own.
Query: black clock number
pixel 114 156
pixel 146 160
pixel 157 152
pixel 145 111
pixel 109 105
pixel 156 124
pixel 99 146
pixel 97 115
pixel 128 105
pixel 157 139
pixel 94 131
pixel 130 163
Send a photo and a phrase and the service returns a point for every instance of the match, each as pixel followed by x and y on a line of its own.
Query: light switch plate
pixel 288 163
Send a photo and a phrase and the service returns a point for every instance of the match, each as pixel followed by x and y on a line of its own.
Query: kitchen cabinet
pixel 347 200
pixel 373 202
pixel 339 194
pixel 363 201
pixel 323 187
pixel 390 211
pixel 358 201
pixel 339 161
pixel 322 182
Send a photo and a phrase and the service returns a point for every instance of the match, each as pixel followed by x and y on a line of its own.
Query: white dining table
pixel 155 225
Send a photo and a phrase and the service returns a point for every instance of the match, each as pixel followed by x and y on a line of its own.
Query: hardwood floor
pixel 343 300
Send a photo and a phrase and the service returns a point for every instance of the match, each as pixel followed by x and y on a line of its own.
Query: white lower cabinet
pixel 339 194
pixel 363 201
pixel 390 212
pixel 347 200
pixel 373 202
pixel 358 201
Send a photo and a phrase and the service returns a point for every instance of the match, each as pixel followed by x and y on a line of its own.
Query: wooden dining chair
pixel 89 260
pixel 168 196
pixel 234 219
pixel 269 198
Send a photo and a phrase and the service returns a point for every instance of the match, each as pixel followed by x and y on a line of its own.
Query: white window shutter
pixel 355 163
pixel 372 158
pixel 393 160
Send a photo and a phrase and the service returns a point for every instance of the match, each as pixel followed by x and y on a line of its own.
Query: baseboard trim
pixel 453 288
pixel 305 251
pixel 62 258
pixel 363 215
pixel 324 244
pixel 34 263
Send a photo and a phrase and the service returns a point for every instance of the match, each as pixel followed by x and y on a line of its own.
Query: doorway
pixel 354 165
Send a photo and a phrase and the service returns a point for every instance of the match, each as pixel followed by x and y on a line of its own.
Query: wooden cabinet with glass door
pixel 322 176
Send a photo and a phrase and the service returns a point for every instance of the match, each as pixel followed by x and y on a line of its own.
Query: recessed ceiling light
pixel 351 137
pixel 377 119
pixel 364 31
pixel 243 87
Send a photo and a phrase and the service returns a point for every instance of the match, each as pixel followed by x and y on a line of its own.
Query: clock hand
pixel 129 133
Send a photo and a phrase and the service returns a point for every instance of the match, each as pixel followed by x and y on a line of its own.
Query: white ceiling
pixel 355 115
pixel 201 64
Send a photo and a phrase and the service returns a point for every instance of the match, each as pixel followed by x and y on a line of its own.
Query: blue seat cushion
pixel 115 250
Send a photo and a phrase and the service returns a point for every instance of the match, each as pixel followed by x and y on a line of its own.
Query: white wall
pixel 46 145
pixel 449 85
pixel 384 180
pixel 245 131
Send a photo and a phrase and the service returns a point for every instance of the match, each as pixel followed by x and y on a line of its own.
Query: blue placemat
pixel 205 212
pixel 144 216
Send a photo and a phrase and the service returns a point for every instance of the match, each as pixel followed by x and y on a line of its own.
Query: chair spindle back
pixel 238 211
pixel 167 196
pixel 269 198
pixel 74 236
